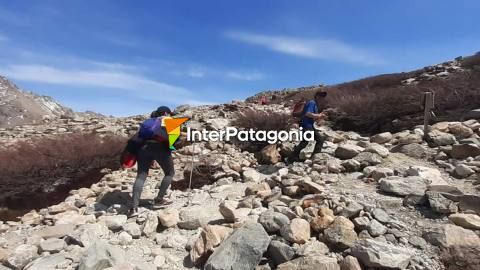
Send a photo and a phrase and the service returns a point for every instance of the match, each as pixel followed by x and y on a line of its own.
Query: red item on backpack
pixel 128 160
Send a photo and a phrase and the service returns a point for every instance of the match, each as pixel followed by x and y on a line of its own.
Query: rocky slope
pixel 19 107
pixel 389 201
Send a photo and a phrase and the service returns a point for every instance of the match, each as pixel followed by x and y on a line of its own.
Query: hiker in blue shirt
pixel 312 112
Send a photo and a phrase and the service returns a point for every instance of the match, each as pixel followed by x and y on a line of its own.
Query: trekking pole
pixel 191 174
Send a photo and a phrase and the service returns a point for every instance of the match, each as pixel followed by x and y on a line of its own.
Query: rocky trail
pixel 389 201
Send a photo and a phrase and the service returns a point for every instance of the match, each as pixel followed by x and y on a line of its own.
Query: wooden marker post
pixel 428 106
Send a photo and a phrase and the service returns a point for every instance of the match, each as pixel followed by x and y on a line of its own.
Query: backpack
pixel 152 129
pixel 298 108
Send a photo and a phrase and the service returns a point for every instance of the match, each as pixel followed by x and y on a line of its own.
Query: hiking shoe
pixel 163 201
pixel 133 212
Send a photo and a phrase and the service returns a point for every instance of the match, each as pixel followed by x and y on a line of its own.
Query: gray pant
pixel 147 154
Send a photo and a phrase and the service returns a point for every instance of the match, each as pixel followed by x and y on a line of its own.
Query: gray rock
pixel 114 223
pixel 414 150
pixel 347 151
pixel 52 245
pixel 57 231
pixel 280 252
pixel 438 138
pixel 340 234
pixel 382 138
pixel 441 204
pixel 368 159
pixel 380 215
pixel 312 248
pixel 380 173
pixel 198 216
pixel 321 262
pixel 251 175
pixel 22 255
pixel 450 236
pixel 463 151
pixel 352 210
pixel 350 263
pixel 463 171
pixel 55 261
pixel 403 186
pixel 133 229
pixel 151 225
pixel 243 250
pixel 417 242
pixel 351 165
pixel 297 231
pixel 273 221
pixel 361 223
pixel 376 228
pixel 378 149
pixel 381 255
pixel 101 255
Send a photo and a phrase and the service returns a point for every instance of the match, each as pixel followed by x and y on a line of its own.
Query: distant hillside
pixel 393 101
pixel 18 107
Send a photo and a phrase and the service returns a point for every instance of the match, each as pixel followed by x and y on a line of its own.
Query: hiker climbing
pixel 309 113
pixel 155 147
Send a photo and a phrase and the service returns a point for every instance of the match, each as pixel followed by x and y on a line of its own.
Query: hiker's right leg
pixel 166 163
pixel 297 149
pixel 143 165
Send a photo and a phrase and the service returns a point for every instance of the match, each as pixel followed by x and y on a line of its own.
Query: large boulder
pixel 298 231
pixel 168 217
pixel 251 175
pixel 280 252
pixel 347 151
pixel 450 236
pixel 382 138
pixel 210 237
pixel 403 186
pixel 320 262
pixel 468 221
pixel 57 231
pixel 437 138
pixel 350 263
pixel 52 245
pixel 269 154
pixel 197 216
pixel 368 159
pixel 22 255
pixel 101 255
pixel 114 223
pixel 431 176
pixel 55 261
pixel 341 234
pixel 460 130
pixel 378 149
pixel 463 151
pixel 377 254
pixel 414 150
pixel 243 250
pixel 273 221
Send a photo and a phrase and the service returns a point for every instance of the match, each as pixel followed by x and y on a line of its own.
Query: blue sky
pixel 124 57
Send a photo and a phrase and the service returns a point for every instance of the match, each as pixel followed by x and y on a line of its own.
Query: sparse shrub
pixel 461 258
pixel 263 120
pixel 51 156
pixel 372 104
pixel 41 171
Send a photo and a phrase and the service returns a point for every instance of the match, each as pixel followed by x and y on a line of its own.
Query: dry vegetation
pixel 32 167
pixel 371 104
pixel 264 120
